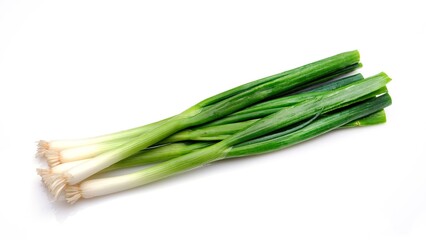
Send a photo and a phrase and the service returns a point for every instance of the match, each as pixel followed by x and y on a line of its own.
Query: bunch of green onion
pixel 265 115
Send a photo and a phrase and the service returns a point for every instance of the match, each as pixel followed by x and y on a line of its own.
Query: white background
pixel 81 68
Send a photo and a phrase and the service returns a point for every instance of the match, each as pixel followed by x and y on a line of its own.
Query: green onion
pixel 330 100
pixel 209 110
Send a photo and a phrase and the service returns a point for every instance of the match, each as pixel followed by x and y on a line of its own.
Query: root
pixel 42 147
pixel 53 158
pixel 43 172
pixel 54 182
pixel 72 194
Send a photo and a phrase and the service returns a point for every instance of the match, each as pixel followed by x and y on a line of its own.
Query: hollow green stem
pixel 318 127
pixel 324 103
pixel 274 105
pixel 372 119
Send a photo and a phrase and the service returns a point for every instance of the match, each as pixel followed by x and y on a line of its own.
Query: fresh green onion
pixel 330 100
pixel 208 110
pixel 99 187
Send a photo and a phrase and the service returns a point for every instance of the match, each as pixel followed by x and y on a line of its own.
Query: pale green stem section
pixel 96 164
pixel 103 186
pixel 122 135
pixel 158 154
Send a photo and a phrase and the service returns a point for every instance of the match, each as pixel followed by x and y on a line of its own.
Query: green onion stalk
pixel 206 111
pixel 239 144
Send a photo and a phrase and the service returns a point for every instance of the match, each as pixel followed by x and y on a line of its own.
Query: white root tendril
pixel 53 157
pixel 54 182
pixel 42 172
pixel 42 147
pixel 72 194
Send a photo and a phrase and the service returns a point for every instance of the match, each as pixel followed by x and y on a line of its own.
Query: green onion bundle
pixel 261 116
